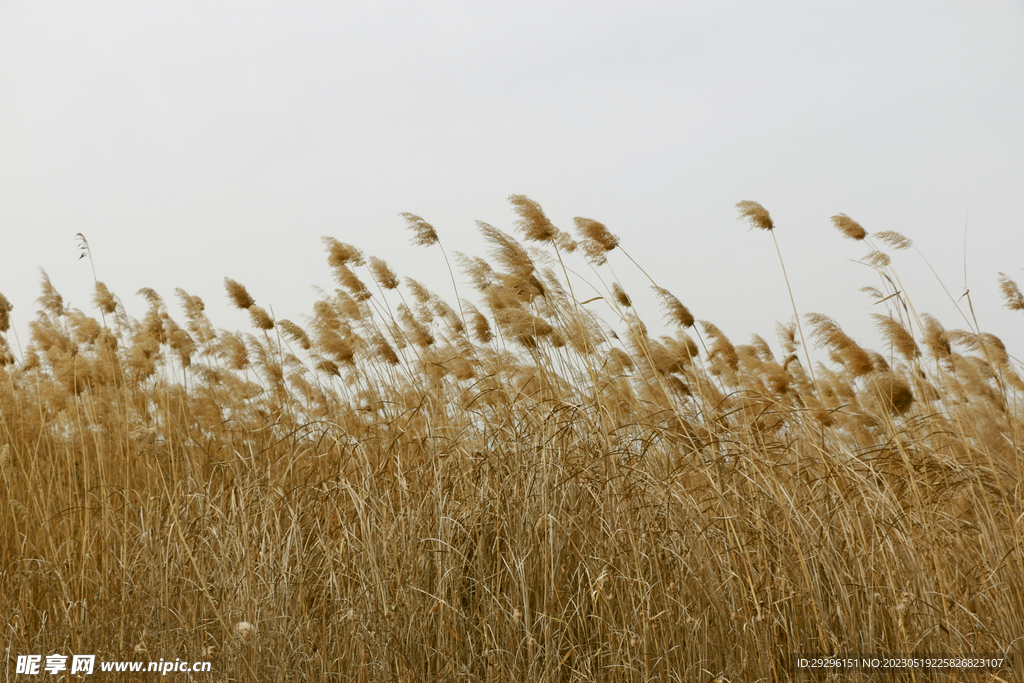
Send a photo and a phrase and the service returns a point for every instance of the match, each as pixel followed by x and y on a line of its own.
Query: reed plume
pixel 527 491
pixel 897 335
pixel 260 318
pixel 620 296
pixel 756 214
pixel 894 239
pixel 849 227
pixel 238 294
pixel 595 239
pixel 1011 293
pixel 828 334
pixel 675 312
pixel 103 299
pixel 5 313
pixel 51 301
pixel 294 333
pixel 532 221
pixel 382 273
pixel 423 233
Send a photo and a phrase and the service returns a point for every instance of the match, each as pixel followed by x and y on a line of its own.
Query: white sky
pixel 192 141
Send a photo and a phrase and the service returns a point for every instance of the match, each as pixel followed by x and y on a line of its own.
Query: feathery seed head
pixel 894 239
pixel 619 361
pixel 51 301
pixel 595 239
pixel 532 221
pixel 620 296
pixel 675 312
pixel 238 294
pixel 509 253
pixel 341 254
pixel 849 227
pixel 787 337
pixel 151 296
pixel 351 282
pixel 897 335
pixel 878 259
pixel 244 630
pixel 892 393
pixel 328 367
pixel 479 326
pixel 103 299
pixel 382 273
pixel 1010 290
pixel 936 338
pixel 415 331
pixel 423 232
pixel 294 333
pixel 479 272
pixel 872 291
pixel 198 324
pixel 260 318
pixel 565 242
pixel 233 350
pixel 193 305
pixel 828 334
pixel 522 326
pixel 721 347
pixel 5 313
pixel 420 294
pixel 141 434
pixel 382 350
pixel 756 214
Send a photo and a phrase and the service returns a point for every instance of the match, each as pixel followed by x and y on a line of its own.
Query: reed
pixel 523 490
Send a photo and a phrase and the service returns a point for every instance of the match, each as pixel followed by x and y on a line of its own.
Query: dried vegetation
pixel 527 486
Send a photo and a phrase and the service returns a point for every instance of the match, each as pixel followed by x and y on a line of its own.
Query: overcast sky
pixel 193 141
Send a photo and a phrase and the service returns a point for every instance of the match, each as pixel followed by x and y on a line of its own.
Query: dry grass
pixel 397 491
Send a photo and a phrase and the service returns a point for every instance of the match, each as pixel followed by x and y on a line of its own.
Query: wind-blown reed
pixel 519 489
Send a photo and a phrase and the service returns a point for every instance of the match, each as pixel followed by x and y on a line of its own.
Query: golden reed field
pixel 517 485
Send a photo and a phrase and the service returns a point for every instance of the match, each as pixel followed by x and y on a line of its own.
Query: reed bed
pixel 520 485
